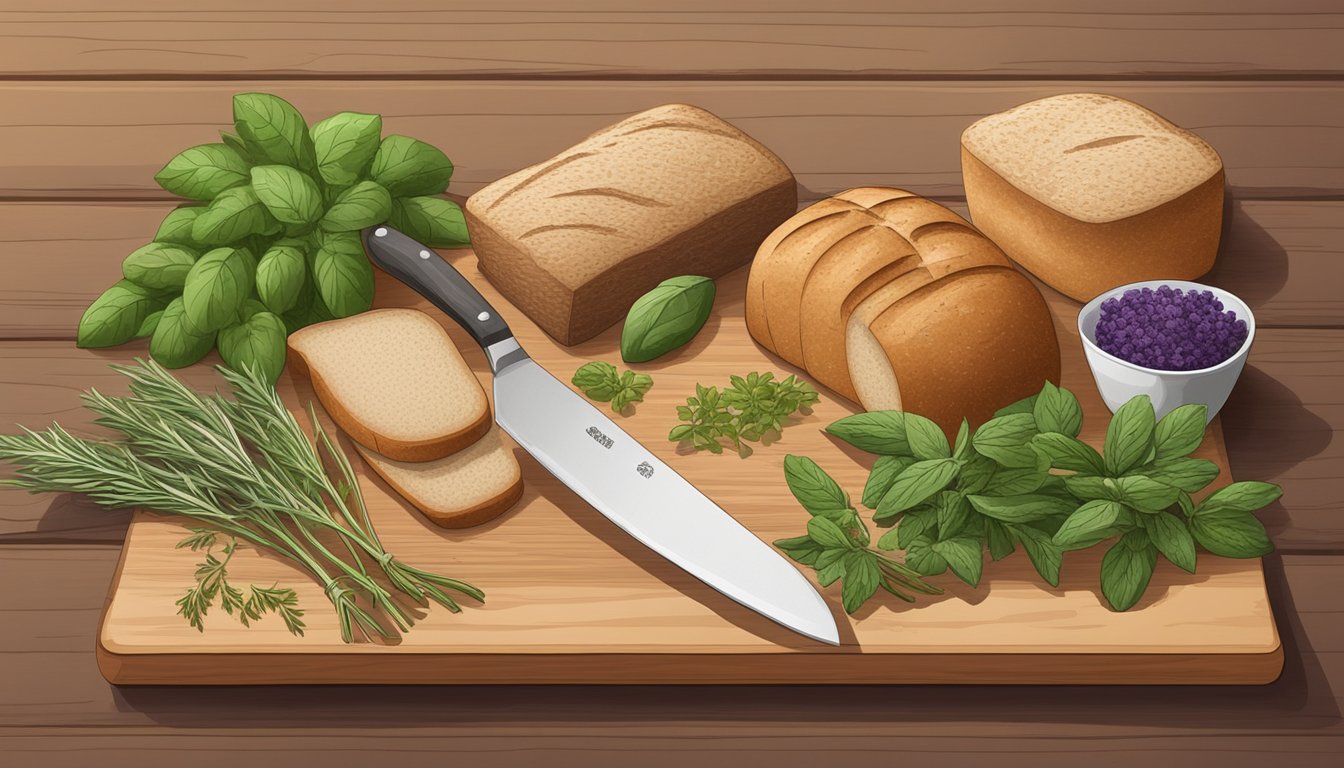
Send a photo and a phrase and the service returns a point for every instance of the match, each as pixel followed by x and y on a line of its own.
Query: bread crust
pixel 460 518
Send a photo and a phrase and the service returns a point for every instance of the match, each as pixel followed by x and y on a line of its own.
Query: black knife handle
pixel 435 279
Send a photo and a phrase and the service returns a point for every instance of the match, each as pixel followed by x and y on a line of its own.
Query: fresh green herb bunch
pixel 244 467
pixel 750 408
pixel 272 243
pixel 601 381
pixel 1025 479
pixel 212 582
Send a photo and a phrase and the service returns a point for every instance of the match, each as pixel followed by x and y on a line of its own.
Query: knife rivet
pixel 380 232
pixel 424 254
pixel 483 316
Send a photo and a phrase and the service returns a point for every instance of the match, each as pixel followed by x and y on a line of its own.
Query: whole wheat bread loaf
pixel 573 241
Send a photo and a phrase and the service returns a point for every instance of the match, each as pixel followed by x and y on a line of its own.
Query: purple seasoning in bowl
pixel 1168 329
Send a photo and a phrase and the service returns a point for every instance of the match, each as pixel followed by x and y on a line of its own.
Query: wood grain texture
pixel 109 138
pixel 591 38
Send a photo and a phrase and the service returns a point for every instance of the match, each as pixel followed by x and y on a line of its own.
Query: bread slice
pixel 1090 191
pixel 573 241
pixel 394 381
pixel 467 488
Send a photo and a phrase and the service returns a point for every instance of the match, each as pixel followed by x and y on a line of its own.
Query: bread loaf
pixel 897 302
pixel 1090 192
pixel 573 241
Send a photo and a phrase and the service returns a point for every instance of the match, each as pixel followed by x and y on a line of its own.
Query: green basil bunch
pixel 271 243
pixel 1025 479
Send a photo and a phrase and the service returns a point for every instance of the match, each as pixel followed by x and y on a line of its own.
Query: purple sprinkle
pixel 1169 329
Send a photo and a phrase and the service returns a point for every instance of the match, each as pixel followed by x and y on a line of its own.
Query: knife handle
pixel 435 279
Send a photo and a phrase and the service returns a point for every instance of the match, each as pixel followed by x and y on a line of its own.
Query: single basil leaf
pixel 176 226
pixel 114 317
pixel 927 440
pixel 215 289
pixel 814 489
pixel 830 573
pixel 964 555
pixel 1057 410
pixel 1230 533
pixel 921 556
pixel 1023 508
pixel 1065 452
pixel 202 172
pixel 1088 525
pixel 344 145
pixel 1181 431
pixel 1244 496
pixel 159 266
pixel 280 277
pixel 1000 541
pixel 1173 540
pixel 1146 494
pixel 1129 436
pixel 150 323
pixel 234 142
pixel 433 221
pixel 963 442
pixel 801 548
pixel 175 344
pixel 1087 487
pixel 290 195
pixel 880 432
pixel 953 512
pixel 1013 481
pixel 827 533
pixel 1006 439
pixel 273 130
pixel 915 484
pixel 1190 475
pixel 232 216
pixel 885 470
pixel 860 580
pixel 360 206
pixel 1042 551
pixel 408 167
pixel 1025 405
pixel 344 277
pixel 666 317
pixel 1126 570
pixel 257 345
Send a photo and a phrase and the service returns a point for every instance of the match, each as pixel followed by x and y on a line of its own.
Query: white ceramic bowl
pixel 1119 380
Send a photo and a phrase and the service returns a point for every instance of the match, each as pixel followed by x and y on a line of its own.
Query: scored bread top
pixel 635 184
pixel 394 380
pixel 1092 157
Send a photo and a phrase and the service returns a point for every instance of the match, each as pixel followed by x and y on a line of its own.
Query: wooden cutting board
pixel 572 599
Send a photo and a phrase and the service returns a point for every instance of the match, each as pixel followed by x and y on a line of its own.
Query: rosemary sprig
pixel 246 468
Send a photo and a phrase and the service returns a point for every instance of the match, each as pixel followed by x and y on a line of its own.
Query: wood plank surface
pixel 109 138
pixel 700 38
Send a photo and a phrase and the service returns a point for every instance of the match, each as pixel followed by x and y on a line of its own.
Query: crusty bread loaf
pixel 1090 192
pixel 900 297
pixel 672 191
pixel 467 488
pixel 394 381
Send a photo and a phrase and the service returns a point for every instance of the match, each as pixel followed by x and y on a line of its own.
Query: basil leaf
pixel 827 533
pixel 1129 436
pixel 860 580
pixel 1088 487
pixel 812 487
pixel 963 441
pixel 273 130
pixel 215 289
pixel 1057 410
pixel 831 572
pixel 1181 431
pixel 1000 541
pixel 666 317
pixel 343 275
pixel 1005 439
pixel 880 432
pixel 158 266
pixel 1012 481
pixel 1025 405
pixel 1088 525
pixel 176 226
pixel 1173 540
pixel 344 145
pixel 953 513
pixel 409 167
pixel 150 323
pixel 235 214
pixel 884 472
pixel 431 220
pixel 1042 551
pixel 232 141
pixel 290 195
pixel 257 344
pixel 175 344
pixel 114 317
pixel 915 484
pixel 1023 508
pixel 927 440
pixel 1245 496
pixel 1126 570
pixel 914 524
pixel 360 206
pixel 202 172
pixel 281 274
pixel 1065 452
pixel 964 555
pixel 1230 532
pixel 976 473
pixel 801 548
pixel 1146 494
pixel 1190 475
pixel 921 556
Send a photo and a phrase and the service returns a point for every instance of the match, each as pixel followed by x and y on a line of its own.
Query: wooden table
pixel 93 100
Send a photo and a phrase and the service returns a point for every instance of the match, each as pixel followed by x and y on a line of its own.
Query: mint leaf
pixel 1129 437
pixel 409 167
pixel 860 580
pixel 1025 405
pixel 1088 525
pixel 953 512
pixel 1245 496
pixel 1126 569
pixel 827 533
pixel 1057 410
pixel 1065 452
pixel 1011 481
pixel 880 432
pixel 927 440
pixel 1005 439
pixel 921 557
pixel 202 172
pixel 290 195
pixel 360 206
pixel 963 442
pixel 1020 509
pixel 1181 431
pixel 813 488
pixel 1190 475
pixel 914 524
pixel 1146 494
pixel 915 484
pixel 1043 553
pixel 1230 532
pixel 964 555
pixel 1172 539
pixel 1088 487
pixel 344 145
pixel 884 472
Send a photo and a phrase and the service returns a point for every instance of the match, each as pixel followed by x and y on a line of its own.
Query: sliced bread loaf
pixel 1089 192
pixel 395 382
pixel 573 241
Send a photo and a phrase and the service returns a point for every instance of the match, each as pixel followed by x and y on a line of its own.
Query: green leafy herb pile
pixel 1025 479
pixel 750 408
pixel 601 381
pixel 272 242
pixel 243 467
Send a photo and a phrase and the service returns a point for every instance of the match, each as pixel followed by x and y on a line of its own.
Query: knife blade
pixel 606 467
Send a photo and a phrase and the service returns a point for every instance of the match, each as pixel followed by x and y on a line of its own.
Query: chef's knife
pixel 607 467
